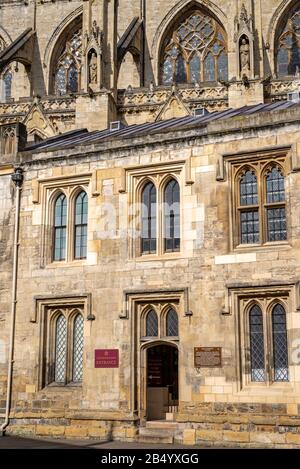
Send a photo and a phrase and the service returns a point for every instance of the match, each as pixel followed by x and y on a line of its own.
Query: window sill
pixel 267 387
pixel 74 263
pixel 66 387
pixel 281 245
pixel 159 257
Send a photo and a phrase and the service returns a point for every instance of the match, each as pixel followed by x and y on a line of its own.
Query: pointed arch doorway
pixel 161 380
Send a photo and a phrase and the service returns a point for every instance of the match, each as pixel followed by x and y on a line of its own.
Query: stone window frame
pixel 45 193
pixel 262 160
pixel 46 311
pixel 161 310
pixel 71 194
pixel 188 54
pixel 70 314
pixel 240 300
pixel 134 180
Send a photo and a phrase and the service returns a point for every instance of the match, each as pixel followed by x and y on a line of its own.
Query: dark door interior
pixel 162 380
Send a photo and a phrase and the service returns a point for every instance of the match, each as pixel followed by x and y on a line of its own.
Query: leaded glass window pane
pixel 223 66
pixel 288 45
pixel 81 220
pixel 280 347
pixel 168 71
pixel 61 81
pixel 78 349
pixel 172 216
pixel 276 220
pixel 7 85
pixel 149 219
pixel 195 66
pixel 249 227
pixel 172 324
pixel 209 68
pixel 275 186
pixel 60 350
pixel 68 65
pixel 73 78
pixel 151 324
pixel 248 189
pixel 193 46
pixel 180 70
pixel 60 228
pixel 257 352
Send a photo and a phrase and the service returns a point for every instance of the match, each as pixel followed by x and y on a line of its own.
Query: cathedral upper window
pixel 288 46
pixel 68 67
pixel 194 50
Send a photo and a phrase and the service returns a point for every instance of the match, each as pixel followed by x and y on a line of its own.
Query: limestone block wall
pixel 6 242
pixel 214 403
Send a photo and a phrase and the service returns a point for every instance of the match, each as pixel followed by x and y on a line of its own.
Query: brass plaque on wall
pixel 207 357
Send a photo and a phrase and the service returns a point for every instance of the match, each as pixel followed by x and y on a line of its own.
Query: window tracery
pixel 68 68
pixel 194 50
pixel 288 46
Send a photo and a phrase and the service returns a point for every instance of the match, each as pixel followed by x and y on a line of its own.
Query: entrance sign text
pixel 107 358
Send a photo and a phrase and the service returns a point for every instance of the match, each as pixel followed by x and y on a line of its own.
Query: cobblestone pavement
pixel 11 442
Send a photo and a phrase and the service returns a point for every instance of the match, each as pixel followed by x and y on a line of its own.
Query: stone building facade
pixel 150 237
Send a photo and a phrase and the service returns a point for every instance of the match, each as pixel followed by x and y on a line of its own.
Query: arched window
pixel 288 45
pixel 60 349
pixel 280 347
pixel 149 219
pixel 151 324
pixel 249 217
pixel 275 205
pixel 7 78
pixel 78 349
pixel 81 214
pixel 172 323
pixel 172 216
pixel 194 50
pixel 60 228
pixel 257 352
pixel 68 66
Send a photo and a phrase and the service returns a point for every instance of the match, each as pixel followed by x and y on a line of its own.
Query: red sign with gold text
pixel 107 358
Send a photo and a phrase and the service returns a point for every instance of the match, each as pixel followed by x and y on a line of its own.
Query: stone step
pixel 162 425
pixel 159 439
pixel 145 431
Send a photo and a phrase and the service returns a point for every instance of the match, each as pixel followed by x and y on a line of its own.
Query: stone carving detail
pixel 9 140
pixel 95 35
pixel 59 111
pixel 277 90
pixel 93 68
pixel 93 49
pixel 153 101
pixel 244 56
pixel 244 39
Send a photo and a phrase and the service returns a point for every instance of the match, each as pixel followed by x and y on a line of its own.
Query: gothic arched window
pixel 172 216
pixel 288 45
pixel 7 78
pixel 275 205
pixel 280 345
pixel 81 214
pixel 60 349
pixel 249 211
pixel 60 228
pixel 257 348
pixel 149 219
pixel 68 66
pixel 172 323
pixel 151 324
pixel 78 349
pixel 194 50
